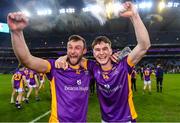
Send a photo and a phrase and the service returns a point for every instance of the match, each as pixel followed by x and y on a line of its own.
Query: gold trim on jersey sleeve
pixel 129 61
pixel 49 66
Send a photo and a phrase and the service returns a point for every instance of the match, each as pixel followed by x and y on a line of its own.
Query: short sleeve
pixel 127 64
pixel 51 67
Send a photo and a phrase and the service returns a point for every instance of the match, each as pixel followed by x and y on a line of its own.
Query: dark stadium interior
pixel 46 36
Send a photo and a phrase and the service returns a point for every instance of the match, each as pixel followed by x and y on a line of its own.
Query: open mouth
pixel 102 58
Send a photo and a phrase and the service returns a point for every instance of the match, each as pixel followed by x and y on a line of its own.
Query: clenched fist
pixel 17 21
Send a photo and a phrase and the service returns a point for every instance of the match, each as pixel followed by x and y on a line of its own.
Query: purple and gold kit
pixel 70 92
pixel 32 77
pixel 41 76
pixel 114 92
pixel 147 73
pixel 26 73
pixel 17 78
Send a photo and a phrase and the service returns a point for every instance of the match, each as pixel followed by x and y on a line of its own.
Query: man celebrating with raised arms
pixel 114 80
pixel 70 88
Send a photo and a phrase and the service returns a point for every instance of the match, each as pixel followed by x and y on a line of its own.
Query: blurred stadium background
pixel 53 21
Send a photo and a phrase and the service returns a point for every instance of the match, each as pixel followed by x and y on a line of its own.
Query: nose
pixel 101 52
pixel 72 51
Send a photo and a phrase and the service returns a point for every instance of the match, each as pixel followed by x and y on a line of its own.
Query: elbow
pixel 147 45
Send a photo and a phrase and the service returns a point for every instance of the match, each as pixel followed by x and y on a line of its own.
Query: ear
pixel 84 51
pixel 111 52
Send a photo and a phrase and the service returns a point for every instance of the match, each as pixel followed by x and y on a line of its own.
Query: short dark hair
pixel 77 38
pixel 100 39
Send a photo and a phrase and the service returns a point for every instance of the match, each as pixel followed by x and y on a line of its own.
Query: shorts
pixel 32 86
pixel 41 81
pixel 28 80
pixel 19 90
pixel 131 121
pixel 147 82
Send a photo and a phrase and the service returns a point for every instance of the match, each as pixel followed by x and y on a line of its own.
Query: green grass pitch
pixel 157 107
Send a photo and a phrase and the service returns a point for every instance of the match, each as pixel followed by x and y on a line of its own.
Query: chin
pixel 102 62
pixel 73 62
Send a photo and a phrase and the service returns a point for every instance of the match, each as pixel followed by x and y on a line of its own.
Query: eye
pixel 105 48
pixel 96 49
pixel 78 48
pixel 69 47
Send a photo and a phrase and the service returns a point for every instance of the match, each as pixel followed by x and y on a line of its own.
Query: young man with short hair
pixel 113 80
pixel 70 88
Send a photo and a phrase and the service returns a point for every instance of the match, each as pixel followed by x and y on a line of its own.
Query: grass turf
pixel 157 107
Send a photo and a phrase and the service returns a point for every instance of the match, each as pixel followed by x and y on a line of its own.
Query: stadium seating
pixel 165 46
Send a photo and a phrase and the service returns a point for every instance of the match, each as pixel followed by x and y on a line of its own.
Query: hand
pixel 61 62
pixel 17 21
pixel 83 63
pixel 114 57
pixel 130 10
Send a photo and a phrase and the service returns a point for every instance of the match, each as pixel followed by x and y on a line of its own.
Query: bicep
pixel 136 54
pixel 38 64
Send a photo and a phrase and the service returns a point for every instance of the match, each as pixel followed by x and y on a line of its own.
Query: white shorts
pixel 27 80
pixel 147 82
pixel 102 121
pixel 19 90
pixel 32 86
pixel 41 81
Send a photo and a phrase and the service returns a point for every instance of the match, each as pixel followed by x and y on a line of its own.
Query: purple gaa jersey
pixel 41 76
pixel 114 92
pixel 32 75
pixel 26 73
pixel 70 92
pixel 147 73
pixel 17 78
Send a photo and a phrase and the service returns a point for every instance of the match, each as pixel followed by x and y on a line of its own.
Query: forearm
pixel 143 41
pixel 23 54
pixel 141 32
pixel 19 46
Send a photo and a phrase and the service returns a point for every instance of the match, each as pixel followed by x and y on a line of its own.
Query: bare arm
pixel 17 22
pixel 143 41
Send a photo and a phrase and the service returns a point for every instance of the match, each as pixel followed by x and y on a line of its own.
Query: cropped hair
pixel 100 39
pixel 75 38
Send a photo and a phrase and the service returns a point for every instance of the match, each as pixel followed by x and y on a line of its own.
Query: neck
pixel 108 66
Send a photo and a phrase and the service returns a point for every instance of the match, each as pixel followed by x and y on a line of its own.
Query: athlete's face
pixel 102 53
pixel 75 51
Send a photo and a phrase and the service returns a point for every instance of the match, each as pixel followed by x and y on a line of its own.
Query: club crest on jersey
pixel 78 82
pixel 107 86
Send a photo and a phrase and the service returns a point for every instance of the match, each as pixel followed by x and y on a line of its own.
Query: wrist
pixel 135 17
pixel 17 32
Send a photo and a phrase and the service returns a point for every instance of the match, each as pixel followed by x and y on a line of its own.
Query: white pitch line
pixel 41 116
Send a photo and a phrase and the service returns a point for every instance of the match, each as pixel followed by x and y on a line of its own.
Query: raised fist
pixel 17 21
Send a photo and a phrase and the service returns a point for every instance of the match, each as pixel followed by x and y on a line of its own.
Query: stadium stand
pixel 165 48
